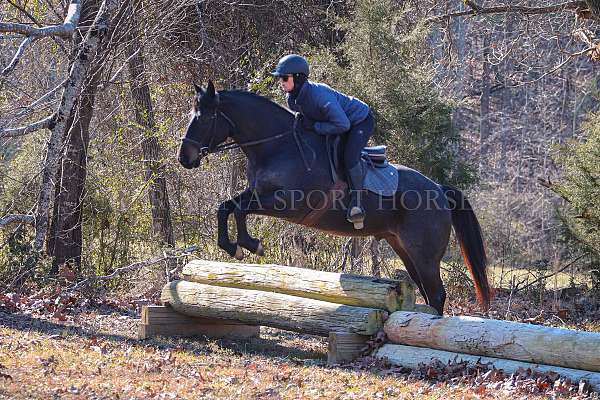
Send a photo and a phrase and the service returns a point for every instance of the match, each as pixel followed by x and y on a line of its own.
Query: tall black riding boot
pixel 356 214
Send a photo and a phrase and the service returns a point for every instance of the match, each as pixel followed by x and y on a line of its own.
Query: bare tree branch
pixel 31 107
pixel 170 254
pixel 35 126
pixel 38 23
pixel 24 130
pixel 9 219
pixel 518 286
pixel 13 63
pixel 66 29
pixel 475 9
pixel 557 67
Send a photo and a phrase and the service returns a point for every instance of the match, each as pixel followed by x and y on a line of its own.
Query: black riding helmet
pixel 291 64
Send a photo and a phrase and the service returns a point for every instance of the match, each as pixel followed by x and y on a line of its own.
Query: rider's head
pixel 291 69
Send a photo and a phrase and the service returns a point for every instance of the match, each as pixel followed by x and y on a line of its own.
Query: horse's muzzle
pixel 190 164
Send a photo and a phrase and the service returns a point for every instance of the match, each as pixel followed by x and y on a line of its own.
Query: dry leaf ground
pixel 91 353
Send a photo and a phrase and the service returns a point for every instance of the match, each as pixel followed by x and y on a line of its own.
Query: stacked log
pixel 352 290
pixel 413 357
pixel 276 310
pixel 494 338
pixel 236 297
pixel 419 338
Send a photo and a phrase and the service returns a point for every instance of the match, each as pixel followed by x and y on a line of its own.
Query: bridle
pixel 205 150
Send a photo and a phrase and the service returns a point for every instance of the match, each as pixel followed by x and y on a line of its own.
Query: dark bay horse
pixel 289 177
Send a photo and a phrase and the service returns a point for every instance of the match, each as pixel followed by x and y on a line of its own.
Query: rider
pixel 329 112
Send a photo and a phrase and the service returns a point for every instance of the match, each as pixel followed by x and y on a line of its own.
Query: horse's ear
pixel 210 89
pixel 199 89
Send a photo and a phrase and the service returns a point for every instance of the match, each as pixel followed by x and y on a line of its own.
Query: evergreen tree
pixel 381 65
pixel 580 187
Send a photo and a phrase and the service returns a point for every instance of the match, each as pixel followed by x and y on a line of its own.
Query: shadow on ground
pixel 271 344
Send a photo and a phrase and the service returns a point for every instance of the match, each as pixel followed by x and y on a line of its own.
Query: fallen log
pixel 412 357
pixel 277 310
pixel 495 338
pixel 354 290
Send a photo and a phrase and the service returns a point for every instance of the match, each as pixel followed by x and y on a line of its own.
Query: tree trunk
pixel 414 357
pixel 375 258
pixel 65 238
pixel 494 338
pixel 484 107
pixel 270 309
pixel 144 117
pixel 78 74
pixel 353 290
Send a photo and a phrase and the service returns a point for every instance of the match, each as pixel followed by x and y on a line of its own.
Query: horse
pixel 289 177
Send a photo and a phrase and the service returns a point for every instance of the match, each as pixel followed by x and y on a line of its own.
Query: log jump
pixel 232 300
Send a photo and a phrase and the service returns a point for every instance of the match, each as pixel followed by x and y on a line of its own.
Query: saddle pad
pixel 381 181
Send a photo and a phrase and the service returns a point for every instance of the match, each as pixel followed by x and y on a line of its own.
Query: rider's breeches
pixel 358 136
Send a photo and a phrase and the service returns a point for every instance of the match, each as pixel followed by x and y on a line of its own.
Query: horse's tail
pixel 468 234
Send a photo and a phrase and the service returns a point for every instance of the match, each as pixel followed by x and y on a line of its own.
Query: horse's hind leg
pixel 394 242
pixel 429 270
pixel 424 257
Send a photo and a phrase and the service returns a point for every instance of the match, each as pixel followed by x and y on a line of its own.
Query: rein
pixel 210 149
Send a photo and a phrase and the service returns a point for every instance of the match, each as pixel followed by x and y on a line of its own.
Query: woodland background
pixel 497 98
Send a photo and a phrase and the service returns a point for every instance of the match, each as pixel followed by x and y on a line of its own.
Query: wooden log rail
pixel 276 310
pixel 494 338
pixel 353 290
pixel 412 357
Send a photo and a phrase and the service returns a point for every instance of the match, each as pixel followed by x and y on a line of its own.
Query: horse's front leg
pixel 225 209
pixel 249 202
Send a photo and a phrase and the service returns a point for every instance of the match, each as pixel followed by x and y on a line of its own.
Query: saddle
pixel 381 177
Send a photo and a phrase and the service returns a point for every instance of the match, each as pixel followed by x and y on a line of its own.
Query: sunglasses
pixel 284 77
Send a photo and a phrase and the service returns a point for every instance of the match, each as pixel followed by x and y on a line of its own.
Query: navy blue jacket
pixel 334 112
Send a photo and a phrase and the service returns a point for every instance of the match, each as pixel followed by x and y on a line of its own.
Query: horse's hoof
pixel 260 250
pixel 239 253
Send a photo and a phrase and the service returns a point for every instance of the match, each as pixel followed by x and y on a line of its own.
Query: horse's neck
pixel 254 122
pixel 285 159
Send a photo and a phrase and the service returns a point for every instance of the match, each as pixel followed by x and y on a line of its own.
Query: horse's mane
pixel 255 96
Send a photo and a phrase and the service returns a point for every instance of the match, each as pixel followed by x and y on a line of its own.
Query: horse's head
pixel 208 128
